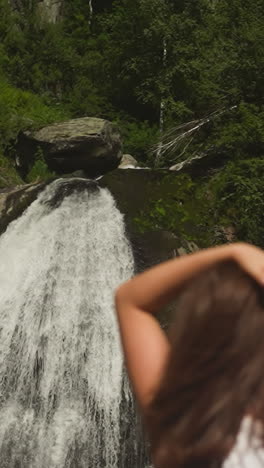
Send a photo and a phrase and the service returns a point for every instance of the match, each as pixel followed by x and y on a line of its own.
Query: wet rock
pixel 67 187
pixel 13 201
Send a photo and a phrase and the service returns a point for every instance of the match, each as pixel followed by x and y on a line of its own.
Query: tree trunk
pixel 91 12
pixel 162 104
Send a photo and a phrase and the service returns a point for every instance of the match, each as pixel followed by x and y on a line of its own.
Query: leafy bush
pixel 8 174
pixel 138 137
pixel 39 171
pixel 84 99
pixel 172 204
pixel 241 132
pixel 237 198
pixel 20 110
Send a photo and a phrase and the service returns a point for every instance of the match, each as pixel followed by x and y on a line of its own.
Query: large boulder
pixel 143 196
pixel 149 199
pixel 89 144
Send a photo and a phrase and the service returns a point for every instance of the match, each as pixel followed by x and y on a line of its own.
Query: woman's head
pixel 215 373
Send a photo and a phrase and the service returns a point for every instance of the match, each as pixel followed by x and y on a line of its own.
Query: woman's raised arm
pixel 145 345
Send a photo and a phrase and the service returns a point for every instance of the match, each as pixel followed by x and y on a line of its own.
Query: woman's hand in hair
pixel 251 259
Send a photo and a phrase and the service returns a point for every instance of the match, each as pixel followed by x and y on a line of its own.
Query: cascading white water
pixel 61 370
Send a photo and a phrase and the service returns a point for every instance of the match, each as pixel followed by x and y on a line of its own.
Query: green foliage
pixel 39 172
pixel 194 57
pixel 201 210
pixel 206 66
pixel 8 174
pixel 85 99
pixel 139 138
pixel 20 110
pixel 174 206
pixel 242 132
pixel 113 65
pixel 237 198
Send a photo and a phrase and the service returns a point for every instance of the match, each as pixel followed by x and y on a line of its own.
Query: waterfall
pixel 62 388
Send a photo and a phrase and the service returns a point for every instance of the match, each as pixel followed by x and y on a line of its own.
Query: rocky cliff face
pixel 49 10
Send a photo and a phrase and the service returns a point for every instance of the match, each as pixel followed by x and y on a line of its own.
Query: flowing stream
pixel 64 400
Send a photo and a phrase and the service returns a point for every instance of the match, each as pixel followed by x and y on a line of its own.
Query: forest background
pixel 150 66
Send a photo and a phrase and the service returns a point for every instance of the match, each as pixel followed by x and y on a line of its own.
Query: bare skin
pixel 145 345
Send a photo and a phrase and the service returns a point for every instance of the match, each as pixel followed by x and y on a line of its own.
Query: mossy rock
pixel 160 200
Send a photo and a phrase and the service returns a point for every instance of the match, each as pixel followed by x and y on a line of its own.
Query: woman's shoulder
pixel 248 452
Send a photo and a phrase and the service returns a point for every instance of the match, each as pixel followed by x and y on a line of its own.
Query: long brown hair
pixel 215 373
